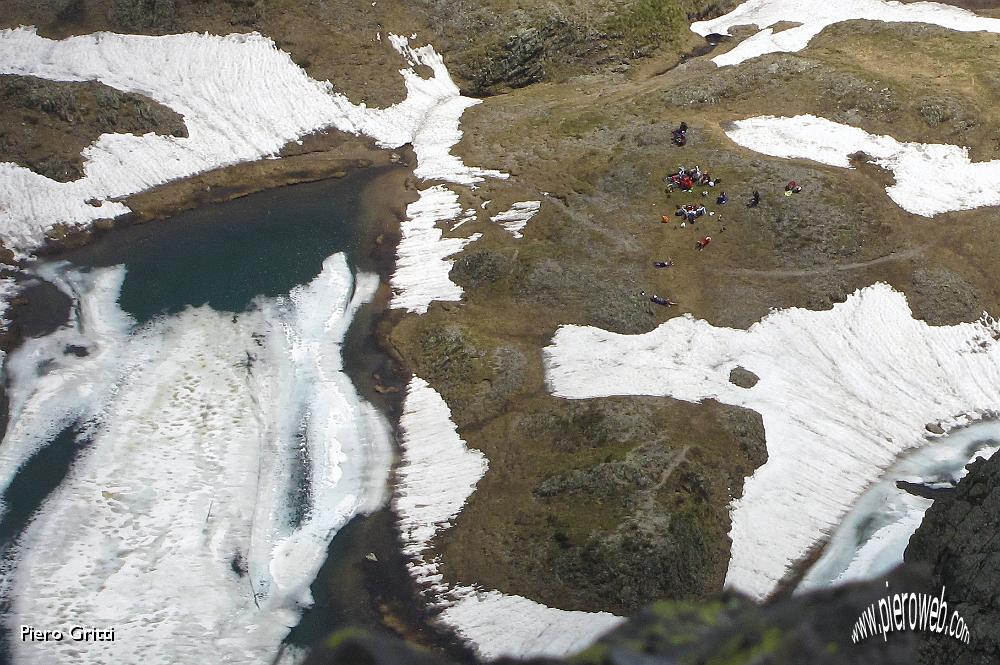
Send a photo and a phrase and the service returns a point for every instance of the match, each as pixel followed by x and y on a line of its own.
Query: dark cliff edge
pixel 956 547
pixel 815 628
pixel 959 540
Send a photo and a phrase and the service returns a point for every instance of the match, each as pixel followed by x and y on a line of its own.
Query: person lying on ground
pixel 722 199
pixel 703 243
pixel 669 263
pixel 754 200
pixel 659 300
pixel 792 188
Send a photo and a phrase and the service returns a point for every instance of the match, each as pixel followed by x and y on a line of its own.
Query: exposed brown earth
pixel 608 504
pixel 600 146
pixel 46 124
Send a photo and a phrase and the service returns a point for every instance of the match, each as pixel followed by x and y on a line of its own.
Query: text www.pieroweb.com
pixel 910 611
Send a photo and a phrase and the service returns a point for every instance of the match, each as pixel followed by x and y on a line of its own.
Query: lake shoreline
pixel 350 589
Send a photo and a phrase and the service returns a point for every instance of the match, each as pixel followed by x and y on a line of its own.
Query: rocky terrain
pixel 50 123
pixel 958 541
pixel 729 629
pixel 606 504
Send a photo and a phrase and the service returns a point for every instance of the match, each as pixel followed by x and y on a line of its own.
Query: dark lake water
pixel 225 255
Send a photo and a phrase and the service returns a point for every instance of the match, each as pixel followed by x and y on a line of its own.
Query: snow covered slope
pixel 242 99
pixel 183 523
pixel 437 475
pixel 871 539
pixel 816 15
pixel 841 392
pixel 958 183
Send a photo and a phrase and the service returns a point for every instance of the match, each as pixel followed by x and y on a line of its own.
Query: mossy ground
pixel 608 504
pixel 599 146
pixel 46 124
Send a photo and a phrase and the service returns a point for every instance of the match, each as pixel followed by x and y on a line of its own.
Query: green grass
pixel 645 23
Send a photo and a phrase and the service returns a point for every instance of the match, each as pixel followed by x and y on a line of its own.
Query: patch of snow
pixel 870 541
pixel 429 118
pixel 499 624
pixel 467 216
pixel 241 98
pixel 198 427
pixel 8 288
pixel 422 263
pixel 517 217
pixel 816 15
pixel 842 393
pixel 931 178
pixel 437 475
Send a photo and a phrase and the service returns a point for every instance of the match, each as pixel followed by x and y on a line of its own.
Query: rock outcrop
pixel 960 540
pixel 815 629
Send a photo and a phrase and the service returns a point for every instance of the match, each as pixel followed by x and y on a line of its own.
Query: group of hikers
pixel 686 180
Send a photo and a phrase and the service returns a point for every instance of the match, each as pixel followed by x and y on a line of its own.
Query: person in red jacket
pixel 703 243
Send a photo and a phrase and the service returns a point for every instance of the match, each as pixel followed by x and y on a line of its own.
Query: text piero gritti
pixel 73 633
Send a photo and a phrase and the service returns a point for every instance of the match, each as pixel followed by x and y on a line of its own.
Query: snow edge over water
pixel 179 519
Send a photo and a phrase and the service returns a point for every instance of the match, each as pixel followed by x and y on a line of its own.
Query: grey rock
pixel 743 378
pixel 959 540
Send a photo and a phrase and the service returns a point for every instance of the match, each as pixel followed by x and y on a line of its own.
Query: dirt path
pixel 911 253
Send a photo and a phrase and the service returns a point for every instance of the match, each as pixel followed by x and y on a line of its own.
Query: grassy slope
pixel 573 511
pixel 600 145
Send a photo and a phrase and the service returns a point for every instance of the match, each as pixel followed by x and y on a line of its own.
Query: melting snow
pixel 842 393
pixel 195 423
pixel 8 287
pixel 422 265
pixel 931 178
pixel 437 476
pixel 517 217
pixel 871 539
pixel 817 15
pixel 242 99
